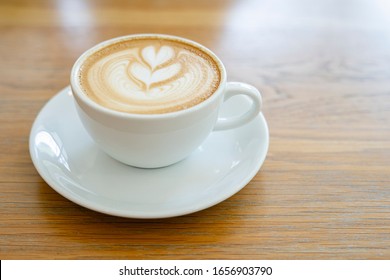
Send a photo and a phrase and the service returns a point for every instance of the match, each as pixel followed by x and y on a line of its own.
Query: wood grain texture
pixel 324 71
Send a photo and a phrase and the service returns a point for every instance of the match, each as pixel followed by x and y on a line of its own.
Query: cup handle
pixel 233 89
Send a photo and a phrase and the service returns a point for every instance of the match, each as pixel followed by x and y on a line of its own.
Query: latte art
pixel 149 76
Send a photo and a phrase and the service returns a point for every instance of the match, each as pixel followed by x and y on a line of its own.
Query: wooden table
pixel 324 71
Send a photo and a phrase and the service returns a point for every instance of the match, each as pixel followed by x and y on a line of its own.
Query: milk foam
pixel 149 76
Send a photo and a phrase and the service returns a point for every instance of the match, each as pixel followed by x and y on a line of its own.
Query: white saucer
pixel 68 160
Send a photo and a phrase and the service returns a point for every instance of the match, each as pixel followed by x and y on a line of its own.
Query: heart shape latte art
pixel 149 76
pixel 157 66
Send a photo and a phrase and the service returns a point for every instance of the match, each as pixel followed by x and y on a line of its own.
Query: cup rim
pixel 80 96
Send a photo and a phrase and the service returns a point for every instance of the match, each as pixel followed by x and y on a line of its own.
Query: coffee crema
pixel 149 75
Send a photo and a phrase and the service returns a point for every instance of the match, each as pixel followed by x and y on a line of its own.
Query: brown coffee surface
pixel 149 75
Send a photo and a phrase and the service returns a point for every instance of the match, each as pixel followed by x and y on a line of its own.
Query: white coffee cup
pixel 158 140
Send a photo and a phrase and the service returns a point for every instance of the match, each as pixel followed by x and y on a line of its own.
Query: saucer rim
pixel 90 204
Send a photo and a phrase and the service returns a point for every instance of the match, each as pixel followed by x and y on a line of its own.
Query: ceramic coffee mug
pixel 150 100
